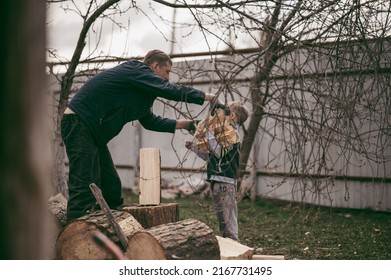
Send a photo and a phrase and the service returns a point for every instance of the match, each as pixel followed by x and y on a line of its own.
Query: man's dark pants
pixel 88 163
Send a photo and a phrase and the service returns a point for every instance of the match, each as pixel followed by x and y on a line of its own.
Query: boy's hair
pixel 240 111
pixel 157 56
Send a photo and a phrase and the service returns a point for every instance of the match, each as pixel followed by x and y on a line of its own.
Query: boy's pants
pixel 88 163
pixel 225 206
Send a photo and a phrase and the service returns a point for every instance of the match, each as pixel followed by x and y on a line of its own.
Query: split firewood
pixel 233 250
pixel 221 127
pixel 268 257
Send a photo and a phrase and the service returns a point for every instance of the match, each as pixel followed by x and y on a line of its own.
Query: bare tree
pixel 319 84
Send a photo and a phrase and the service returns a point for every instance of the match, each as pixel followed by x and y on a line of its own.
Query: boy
pixel 218 143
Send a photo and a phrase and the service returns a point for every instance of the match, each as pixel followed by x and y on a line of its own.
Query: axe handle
pixel 106 210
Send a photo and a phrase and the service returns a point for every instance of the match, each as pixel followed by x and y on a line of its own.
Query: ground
pixel 298 231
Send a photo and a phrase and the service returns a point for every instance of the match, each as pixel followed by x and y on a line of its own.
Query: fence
pixel 360 186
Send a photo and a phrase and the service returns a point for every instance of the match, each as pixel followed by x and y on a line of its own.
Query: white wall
pixel 351 193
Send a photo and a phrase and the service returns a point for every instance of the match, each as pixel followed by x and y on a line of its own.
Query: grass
pixel 304 232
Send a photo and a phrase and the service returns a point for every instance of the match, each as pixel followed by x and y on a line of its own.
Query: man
pixel 98 112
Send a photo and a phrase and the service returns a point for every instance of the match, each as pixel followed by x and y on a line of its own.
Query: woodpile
pixel 152 232
pixel 188 239
pixel 148 231
pixel 182 240
pixel 162 237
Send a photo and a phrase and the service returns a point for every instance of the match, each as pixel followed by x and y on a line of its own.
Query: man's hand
pixel 213 98
pixel 192 126
pixel 189 125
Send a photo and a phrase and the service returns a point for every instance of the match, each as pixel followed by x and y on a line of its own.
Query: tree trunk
pixel 59 176
pixel 24 152
pixel 150 216
pixel 75 242
pixel 184 240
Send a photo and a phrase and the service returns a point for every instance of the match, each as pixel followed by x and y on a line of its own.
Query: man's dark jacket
pixel 125 93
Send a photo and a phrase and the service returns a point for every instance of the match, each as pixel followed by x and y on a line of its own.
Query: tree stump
pixel 184 240
pixel 150 216
pixel 75 242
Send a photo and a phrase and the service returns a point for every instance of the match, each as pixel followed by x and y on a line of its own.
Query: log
pixel 150 177
pixel 58 208
pixel 183 240
pixel 57 220
pixel 108 245
pixel 150 216
pixel 75 242
pixel 233 250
